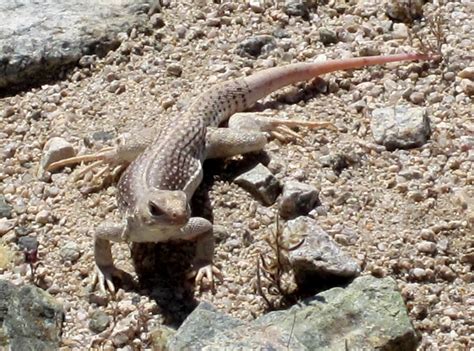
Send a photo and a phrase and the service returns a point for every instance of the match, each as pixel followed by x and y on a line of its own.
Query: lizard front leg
pixel 113 159
pixel 127 147
pixel 200 229
pixel 105 269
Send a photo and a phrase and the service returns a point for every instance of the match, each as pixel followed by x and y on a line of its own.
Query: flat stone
pixel 99 321
pixel 70 252
pixel 5 208
pixel 208 328
pixel 297 199
pixel 369 314
pixel 6 225
pixel 261 183
pixel 56 149
pixel 319 258
pixel 28 244
pixel 31 318
pixel 41 36
pixel 296 8
pixel 467 73
pixel 400 127
pixel 327 36
pixel 256 46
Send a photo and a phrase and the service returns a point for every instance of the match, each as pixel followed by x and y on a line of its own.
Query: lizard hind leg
pixel 276 127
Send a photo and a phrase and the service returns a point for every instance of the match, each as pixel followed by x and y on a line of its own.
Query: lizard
pixel 165 164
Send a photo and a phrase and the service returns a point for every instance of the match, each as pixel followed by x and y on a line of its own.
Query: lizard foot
pixel 99 179
pixel 98 156
pixel 104 277
pixel 281 128
pixel 208 271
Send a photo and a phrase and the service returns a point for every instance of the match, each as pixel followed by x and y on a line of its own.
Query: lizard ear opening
pixel 155 211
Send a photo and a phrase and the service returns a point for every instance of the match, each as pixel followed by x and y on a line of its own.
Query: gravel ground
pixel 408 214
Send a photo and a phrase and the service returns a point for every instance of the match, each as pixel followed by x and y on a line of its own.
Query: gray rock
pixel 296 8
pixel 56 149
pixel 319 257
pixel 427 247
pixel 467 87
pixel 5 208
pixel 204 323
pixel 400 127
pixel 70 252
pixel 257 6
pixel 338 162
pixel 157 21
pixel 174 69
pixel 6 225
pixel 207 328
pixel 327 36
pixel 297 199
pixel 404 11
pixel 28 243
pixel 64 31
pixel 369 314
pixel 99 321
pixel 31 318
pixel 261 183
pixel 43 217
pixel 256 46
pixel 467 73
pixel 366 315
pixel 102 136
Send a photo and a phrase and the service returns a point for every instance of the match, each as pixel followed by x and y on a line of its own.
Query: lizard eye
pixel 154 210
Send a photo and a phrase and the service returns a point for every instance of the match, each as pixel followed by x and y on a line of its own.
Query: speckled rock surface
pixel 40 37
pixel 400 127
pixel 31 318
pixel 368 314
pixel 387 209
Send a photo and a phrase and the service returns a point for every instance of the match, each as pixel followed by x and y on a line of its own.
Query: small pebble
pixel 70 252
pixel 43 217
pixel 426 247
pixel 174 69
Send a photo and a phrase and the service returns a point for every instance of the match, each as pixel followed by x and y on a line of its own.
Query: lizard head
pixel 164 208
pixel 159 216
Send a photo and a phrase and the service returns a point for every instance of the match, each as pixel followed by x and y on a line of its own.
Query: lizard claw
pixel 104 154
pixel 208 271
pixel 104 277
pixel 105 165
pixel 281 129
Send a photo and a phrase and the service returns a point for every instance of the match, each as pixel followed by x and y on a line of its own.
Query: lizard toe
pixel 205 273
pixel 104 277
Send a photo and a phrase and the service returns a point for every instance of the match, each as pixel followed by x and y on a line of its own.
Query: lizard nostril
pixel 154 210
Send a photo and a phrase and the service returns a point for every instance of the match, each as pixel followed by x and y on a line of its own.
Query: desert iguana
pixel 166 167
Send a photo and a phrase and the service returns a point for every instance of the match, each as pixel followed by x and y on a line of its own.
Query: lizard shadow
pixel 161 269
pixel 305 91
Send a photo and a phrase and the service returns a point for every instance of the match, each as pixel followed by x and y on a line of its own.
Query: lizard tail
pixel 267 81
